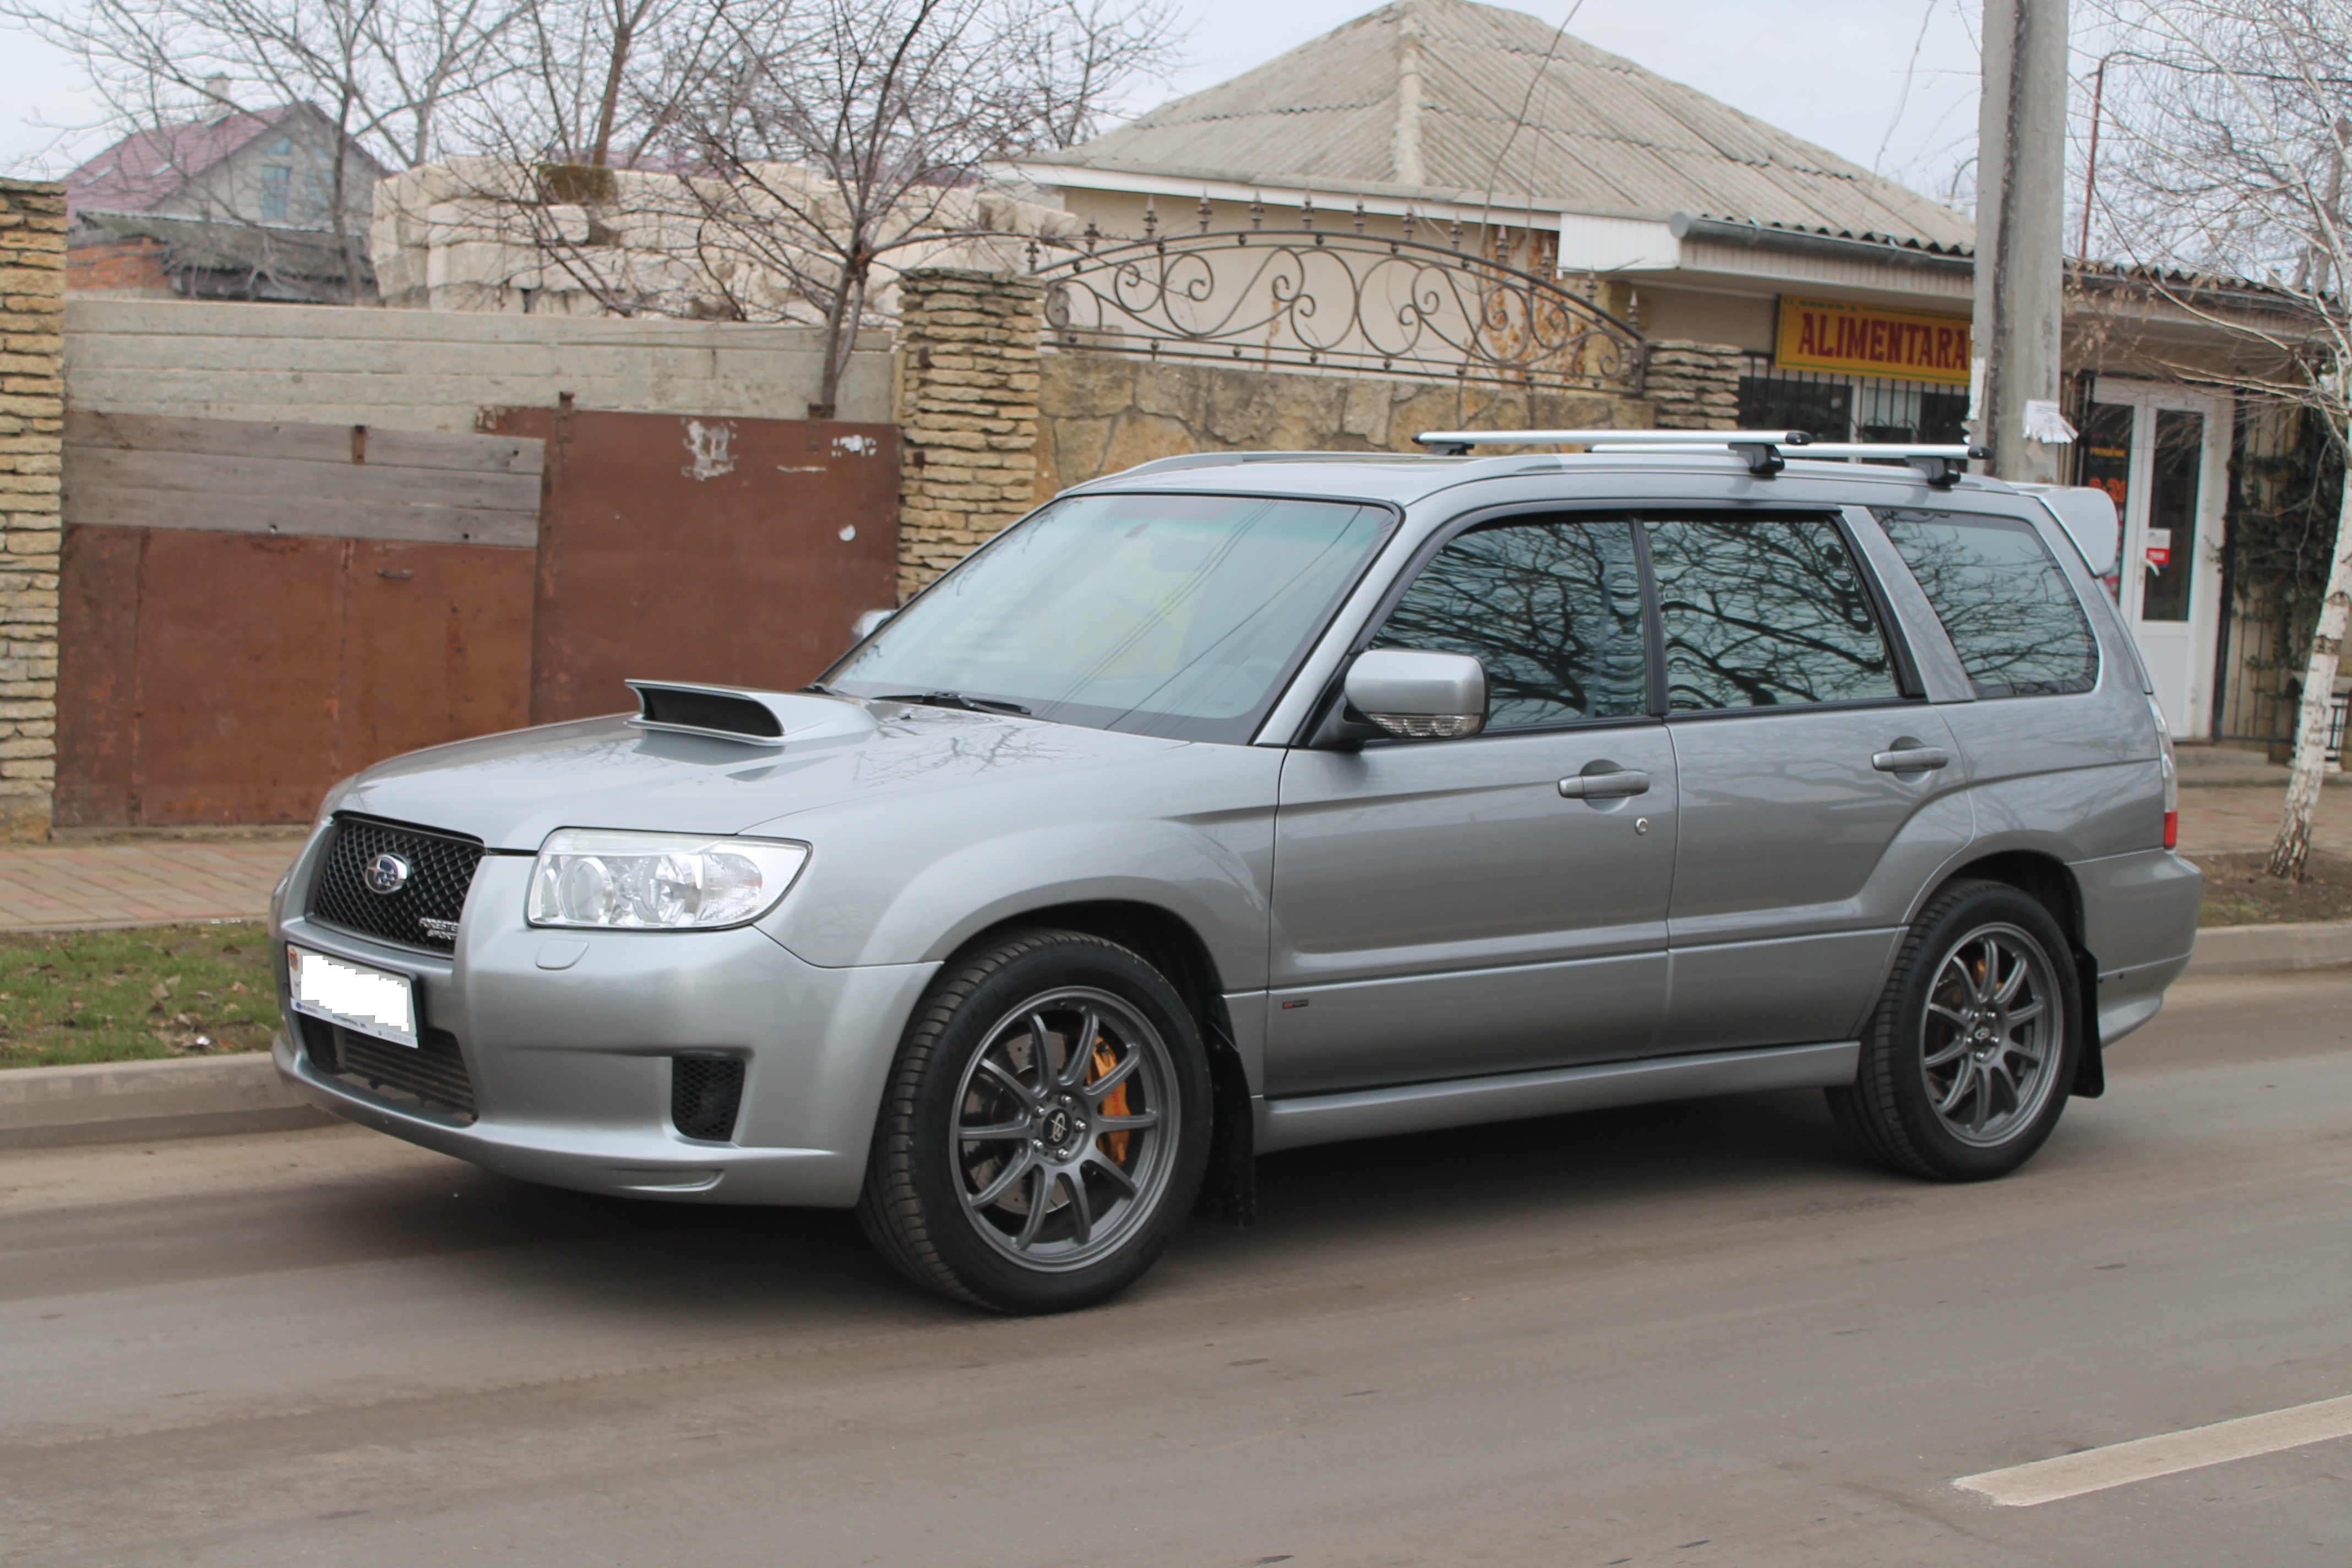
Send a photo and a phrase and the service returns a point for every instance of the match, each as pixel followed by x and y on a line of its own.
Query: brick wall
pixel 136 264
pixel 967 413
pixel 1695 387
pixel 32 426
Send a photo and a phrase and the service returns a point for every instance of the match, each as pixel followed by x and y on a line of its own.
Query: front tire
pixel 1966 1062
pixel 1044 1129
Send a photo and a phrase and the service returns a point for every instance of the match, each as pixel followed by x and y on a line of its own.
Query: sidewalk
pixel 2236 821
pixel 142 881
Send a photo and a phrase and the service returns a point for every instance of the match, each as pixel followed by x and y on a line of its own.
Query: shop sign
pixel 2159 544
pixel 1863 340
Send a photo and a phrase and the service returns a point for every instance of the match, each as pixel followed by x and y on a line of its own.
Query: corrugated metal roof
pixel 1599 134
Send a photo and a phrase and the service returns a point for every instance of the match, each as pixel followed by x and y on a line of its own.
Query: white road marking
pixel 2144 1458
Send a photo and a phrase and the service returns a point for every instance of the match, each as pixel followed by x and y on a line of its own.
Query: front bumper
pixel 571 1067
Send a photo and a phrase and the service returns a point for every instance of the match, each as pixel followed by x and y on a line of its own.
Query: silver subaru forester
pixel 1235 804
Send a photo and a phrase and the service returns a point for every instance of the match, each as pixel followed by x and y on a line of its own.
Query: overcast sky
pixel 1887 84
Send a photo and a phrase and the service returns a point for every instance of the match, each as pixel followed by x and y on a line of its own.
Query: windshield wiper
pixel 954 700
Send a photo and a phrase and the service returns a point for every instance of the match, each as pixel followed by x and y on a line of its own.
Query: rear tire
pixel 1044 1129
pixel 1966 1059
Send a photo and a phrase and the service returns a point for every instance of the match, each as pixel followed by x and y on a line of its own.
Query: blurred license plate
pixel 373 1001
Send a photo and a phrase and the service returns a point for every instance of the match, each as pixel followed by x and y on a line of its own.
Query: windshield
pixel 1166 615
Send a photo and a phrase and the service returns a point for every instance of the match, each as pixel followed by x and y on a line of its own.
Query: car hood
pixel 511 790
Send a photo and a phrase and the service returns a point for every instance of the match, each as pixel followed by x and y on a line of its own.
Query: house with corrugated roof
pixel 234 205
pixel 1842 298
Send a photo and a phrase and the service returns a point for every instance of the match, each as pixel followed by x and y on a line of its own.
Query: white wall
pixel 425 370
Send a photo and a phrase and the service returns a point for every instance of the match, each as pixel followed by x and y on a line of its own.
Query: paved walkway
pixel 59 887
pixel 145 881
pixel 2222 820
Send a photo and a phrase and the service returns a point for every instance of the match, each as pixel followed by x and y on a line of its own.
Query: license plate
pixel 373 1001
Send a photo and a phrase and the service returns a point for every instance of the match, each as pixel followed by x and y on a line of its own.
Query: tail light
pixel 2171 776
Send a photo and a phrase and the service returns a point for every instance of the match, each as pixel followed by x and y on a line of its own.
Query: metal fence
pixel 1316 299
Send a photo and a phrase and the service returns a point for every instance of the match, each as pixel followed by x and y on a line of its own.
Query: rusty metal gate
pixel 248 612
pixel 736 552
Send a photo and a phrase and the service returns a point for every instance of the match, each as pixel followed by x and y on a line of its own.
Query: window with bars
pixel 1849 407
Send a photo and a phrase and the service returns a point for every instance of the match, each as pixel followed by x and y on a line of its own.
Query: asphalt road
pixel 1691 1334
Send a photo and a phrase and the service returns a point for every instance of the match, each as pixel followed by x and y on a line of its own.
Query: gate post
pixel 32 437
pixel 1696 386
pixel 967 414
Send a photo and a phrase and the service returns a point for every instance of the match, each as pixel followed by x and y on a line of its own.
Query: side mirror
pixel 866 624
pixel 1425 696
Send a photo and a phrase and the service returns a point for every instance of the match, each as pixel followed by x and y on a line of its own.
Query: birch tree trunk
pixel 2292 847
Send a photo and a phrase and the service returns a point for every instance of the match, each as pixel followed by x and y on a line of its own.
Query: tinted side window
pixel 2012 618
pixel 1552 609
pixel 1765 612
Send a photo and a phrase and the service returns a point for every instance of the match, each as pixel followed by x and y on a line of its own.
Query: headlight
pixel 658 882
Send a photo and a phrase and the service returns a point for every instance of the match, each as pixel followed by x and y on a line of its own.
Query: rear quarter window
pixel 2012 614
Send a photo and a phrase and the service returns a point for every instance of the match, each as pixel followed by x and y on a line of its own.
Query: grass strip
pixel 146 994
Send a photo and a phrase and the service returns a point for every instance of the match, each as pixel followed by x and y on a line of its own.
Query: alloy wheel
pixel 1064 1130
pixel 1991 1036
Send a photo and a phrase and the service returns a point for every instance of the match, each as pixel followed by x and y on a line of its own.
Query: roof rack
pixel 1760 449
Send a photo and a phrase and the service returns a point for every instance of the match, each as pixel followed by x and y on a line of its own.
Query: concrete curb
pixel 117 1103
pixel 2269 949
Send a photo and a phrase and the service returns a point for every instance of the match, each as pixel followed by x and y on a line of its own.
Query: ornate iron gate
pixel 1310 298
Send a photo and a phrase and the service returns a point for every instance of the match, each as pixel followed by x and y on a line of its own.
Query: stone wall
pixel 32 426
pixel 968 414
pixel 1105 412
pixel 1695 387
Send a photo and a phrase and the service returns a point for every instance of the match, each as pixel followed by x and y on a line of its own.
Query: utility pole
pixel 2020 220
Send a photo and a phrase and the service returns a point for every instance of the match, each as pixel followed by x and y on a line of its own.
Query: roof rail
pixel 1457 443
pixel 1942 464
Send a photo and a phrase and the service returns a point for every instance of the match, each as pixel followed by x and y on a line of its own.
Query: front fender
pixel 897 882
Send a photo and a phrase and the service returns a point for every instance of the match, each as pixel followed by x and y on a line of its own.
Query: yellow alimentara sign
pixel 1911 345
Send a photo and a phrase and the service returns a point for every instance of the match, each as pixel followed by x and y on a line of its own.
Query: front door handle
pixel 1600 787
pixel 1911 759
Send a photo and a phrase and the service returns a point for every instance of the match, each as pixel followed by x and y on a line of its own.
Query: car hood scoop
pixel 751 718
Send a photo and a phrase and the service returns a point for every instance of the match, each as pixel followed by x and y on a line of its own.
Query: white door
pixel 2171 461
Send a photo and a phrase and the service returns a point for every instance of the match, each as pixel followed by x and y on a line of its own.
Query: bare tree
pixel 859 130
pixel 2230 152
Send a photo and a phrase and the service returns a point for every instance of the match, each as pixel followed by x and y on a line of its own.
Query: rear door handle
pixel 1600 787
pixel 1911 759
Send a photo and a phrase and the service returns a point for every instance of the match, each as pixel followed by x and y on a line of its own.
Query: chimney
pixel 216 89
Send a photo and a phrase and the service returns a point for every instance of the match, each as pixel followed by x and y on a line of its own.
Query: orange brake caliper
pixel 1114 1104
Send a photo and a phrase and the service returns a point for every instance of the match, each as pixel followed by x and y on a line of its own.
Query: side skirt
pixel 1303 1120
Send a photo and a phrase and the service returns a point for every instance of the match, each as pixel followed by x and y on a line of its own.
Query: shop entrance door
pixel 2164 454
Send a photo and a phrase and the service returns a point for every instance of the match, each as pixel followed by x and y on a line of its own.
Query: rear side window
pixel 2010 613
pixel 1553 609
pixel 1765 613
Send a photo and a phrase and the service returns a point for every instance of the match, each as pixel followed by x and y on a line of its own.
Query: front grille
pixel 422 913
pixel 432 1074
pixel 704 1095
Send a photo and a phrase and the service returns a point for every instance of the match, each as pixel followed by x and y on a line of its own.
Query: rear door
pixel 1818 790
pixel 1442 908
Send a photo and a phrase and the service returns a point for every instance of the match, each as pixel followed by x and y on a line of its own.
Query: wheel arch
pixel 1169 943
pixel 2048 881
